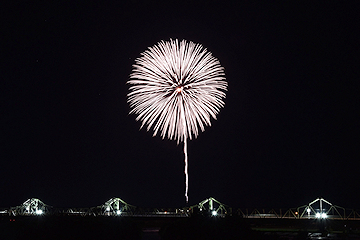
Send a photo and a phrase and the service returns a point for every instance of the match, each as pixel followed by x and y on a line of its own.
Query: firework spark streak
pixel 176 88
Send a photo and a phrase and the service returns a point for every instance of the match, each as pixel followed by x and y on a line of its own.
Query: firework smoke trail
pixel 176 88
pixel 186 171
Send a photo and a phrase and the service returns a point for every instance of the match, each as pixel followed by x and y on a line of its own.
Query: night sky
pixel 289 132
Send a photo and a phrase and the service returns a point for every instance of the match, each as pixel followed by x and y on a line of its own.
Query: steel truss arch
pixel 32 206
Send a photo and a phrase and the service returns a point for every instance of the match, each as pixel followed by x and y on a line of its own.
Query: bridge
pixel 316 209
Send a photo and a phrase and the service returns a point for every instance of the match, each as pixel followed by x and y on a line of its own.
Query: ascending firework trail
pixel 175 88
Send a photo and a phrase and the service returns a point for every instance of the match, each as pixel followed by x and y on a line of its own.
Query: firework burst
pixel 176 88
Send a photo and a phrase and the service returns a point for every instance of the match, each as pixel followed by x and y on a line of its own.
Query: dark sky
pixel 289 132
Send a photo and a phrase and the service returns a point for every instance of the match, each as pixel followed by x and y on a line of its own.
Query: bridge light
pixel 118 212
pixel 39 212
pixel 214 213
pixel 321 215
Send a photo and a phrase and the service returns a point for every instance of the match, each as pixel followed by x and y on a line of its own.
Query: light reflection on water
pixel 333 236
pixel 312 236
pixel 150 234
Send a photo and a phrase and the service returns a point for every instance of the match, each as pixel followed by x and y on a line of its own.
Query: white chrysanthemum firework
pixel 176 88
